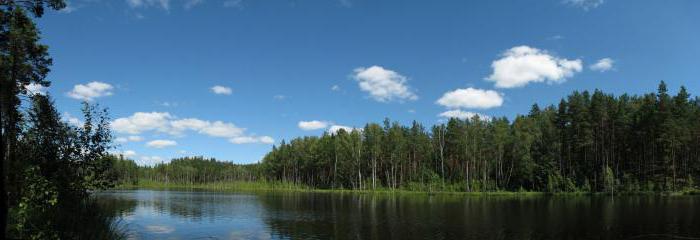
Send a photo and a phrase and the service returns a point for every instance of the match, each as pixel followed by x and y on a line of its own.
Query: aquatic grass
pixel 411 188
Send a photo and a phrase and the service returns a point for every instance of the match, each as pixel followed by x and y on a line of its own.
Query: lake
pixel 147 214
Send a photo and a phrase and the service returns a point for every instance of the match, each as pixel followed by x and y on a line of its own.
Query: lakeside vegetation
pixel 49 168
pixel 589 143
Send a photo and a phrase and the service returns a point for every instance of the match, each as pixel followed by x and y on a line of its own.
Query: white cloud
pixel 189 4
pixel 34 88
pixel 164 4
pixel 471 98
pixel 221 90
pixel 73 121
pixel 233 4
pixel 187 124
pixel 335 128
pixel 383 85
pixel 90 91
pixel 522 65
pixel 161 143
pixel 129 153
pixel 556 37
pixel 132 138
pixel 335 88
pixel 135 138
pixel 163 122
pixel 602 65
pixel 149 160
pixel 346 3
pixel 214 129
pixel 312 125
pixel 252 139
pixel 584 4
pixel 462 114
pixel 222 129
pixel 168 104
pixel 143 121
pixel 279 97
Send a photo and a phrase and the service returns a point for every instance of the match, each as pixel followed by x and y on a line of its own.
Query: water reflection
pixel 189 215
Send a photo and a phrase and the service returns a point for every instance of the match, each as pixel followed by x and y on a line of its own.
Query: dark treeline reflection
pixel 162 214
pixel 327 216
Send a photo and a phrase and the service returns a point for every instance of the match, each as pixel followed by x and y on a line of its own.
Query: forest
pixel 589 142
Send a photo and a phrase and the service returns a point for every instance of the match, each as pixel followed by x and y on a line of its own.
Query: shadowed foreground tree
pixel 58 165
pixel 23 61
pixel 47 166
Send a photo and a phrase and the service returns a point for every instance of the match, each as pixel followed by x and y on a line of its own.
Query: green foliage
pixel 182 171
pixel 38 197
pixel 589 142
pixel 61 164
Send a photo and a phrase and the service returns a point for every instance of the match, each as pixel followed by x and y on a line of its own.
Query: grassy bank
pixel 265 186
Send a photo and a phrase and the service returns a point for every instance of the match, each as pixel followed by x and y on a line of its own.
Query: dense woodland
pixel 48 167
pixel 182 171
pixel 588 142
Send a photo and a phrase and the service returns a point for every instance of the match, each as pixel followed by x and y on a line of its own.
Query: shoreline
pixel 242 186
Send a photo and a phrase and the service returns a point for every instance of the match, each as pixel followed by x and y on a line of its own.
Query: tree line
pixel 588 142
pixel 184 171
pixel 48 167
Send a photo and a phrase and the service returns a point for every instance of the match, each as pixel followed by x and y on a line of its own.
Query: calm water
pixel 208 215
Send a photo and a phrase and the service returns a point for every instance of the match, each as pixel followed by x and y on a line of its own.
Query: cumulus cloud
pixel 221 90
pixel 150 160
pixel 233 4
pixel 161 143
pixel 189 4
pixel 279 97
pixel 471 98
pixel 163 122
pixel 34 88
pixel 214 129
pixel 143 121
pixel 164 4
pixel 222 129
pixel 71 120
pixel 132 138
pixel 135 138
pixel 129 153
pixel 383 85
pixel 602 65
pixel 523 64
pixel 252 139
pixel 584 4
pixel 312 125
pixel 462 114
pixel 90 91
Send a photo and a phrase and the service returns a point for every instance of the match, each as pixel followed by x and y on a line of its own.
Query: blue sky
pixel 292 68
